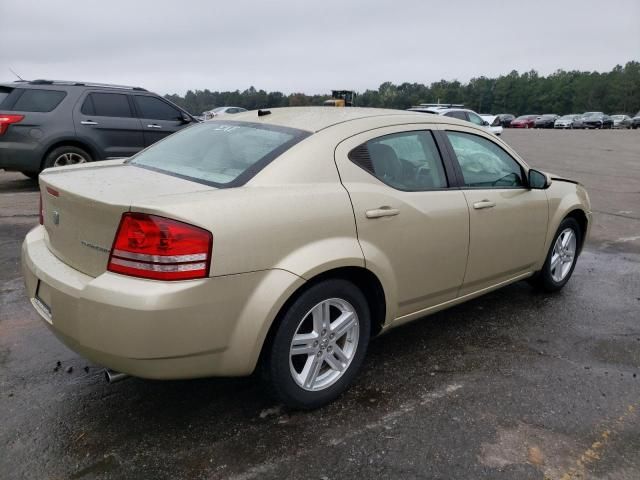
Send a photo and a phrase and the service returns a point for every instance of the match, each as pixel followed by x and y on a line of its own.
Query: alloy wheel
pixel 324 344
pixel 69 158
pixel 563 255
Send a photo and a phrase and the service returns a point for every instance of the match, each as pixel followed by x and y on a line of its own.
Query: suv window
pixel 106 105
pixel 37 100
pixel 483 163
pixel 456 114
pixel 4 93
pixel 473 118
pixel 406 161
pixel 154 108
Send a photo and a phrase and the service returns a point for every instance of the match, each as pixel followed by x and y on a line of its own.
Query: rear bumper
pixel 19 156
pixel 150 329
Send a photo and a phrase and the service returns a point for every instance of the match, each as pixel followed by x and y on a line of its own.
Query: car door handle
pixel 154 125
pixel 88 122
pixel 484 204
pixel 382 212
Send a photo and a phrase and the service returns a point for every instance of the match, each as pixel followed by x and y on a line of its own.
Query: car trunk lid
pixel 82 207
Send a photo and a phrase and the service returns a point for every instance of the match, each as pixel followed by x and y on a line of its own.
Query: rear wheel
pixel 319 345
pixel 66 155
pixel 561 259
pixel 31 175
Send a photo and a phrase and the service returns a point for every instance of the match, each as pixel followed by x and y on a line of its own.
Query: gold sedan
pixel 286 239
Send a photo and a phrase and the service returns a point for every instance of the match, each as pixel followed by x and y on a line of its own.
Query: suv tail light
pixel 6 120
pixel 159 248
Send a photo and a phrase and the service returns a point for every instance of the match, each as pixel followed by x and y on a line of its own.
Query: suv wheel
pixel 319 345
pixel 66 155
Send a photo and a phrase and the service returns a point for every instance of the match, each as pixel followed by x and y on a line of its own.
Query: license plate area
pixel 42 301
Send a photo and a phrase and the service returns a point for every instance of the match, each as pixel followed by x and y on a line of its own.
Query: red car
pixel 524 121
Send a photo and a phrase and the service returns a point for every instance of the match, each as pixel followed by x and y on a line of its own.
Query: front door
pixel 412 227
pixel 508 221
pixel 158 118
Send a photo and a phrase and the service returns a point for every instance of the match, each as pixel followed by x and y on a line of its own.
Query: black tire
pixel 53 155
pixel 276 368
pixel 544 279
pixel 31 175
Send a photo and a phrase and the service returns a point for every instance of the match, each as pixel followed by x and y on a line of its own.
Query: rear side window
pixel 222 154
pixel 154 108
pixel 456 114
pixel 408 161
pixel 37 100
pixel 106 105
pixel 4 93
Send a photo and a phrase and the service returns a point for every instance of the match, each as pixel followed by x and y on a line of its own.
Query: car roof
pixel 68 84
pixel 314 119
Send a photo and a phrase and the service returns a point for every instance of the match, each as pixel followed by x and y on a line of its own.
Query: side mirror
pixel 538 180
pixel 485 123
pixel 186 118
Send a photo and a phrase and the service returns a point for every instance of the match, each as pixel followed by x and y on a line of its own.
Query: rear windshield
pixel 37 100
pixel 4 93
pixel 222 154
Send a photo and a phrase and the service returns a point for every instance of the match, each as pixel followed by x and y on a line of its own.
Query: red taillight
pixel 155 247
pixel 6 120
pixel 41 210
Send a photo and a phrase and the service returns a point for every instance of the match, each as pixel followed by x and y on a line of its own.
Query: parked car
pixel 459 113
pixel 222 111
pixel 567 121
pixel 494 123
pixel 621 121
pixel 597 120
pixel 506 119
pixel 547 120
pixel 273 240
pixel 46 123
pixel 524 121
pixel 635 121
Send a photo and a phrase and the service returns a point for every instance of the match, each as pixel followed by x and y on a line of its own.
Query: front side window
pixel 107 105
pixel 222 154
pixel 473 118
pixel 483 163
pixel 405 161
pixel 37 100
pixel 156 109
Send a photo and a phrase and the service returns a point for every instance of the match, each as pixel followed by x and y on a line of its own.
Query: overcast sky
pixel 297 45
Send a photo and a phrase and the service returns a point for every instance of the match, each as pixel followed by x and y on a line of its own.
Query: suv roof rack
pixel 440 105
pixel 42 81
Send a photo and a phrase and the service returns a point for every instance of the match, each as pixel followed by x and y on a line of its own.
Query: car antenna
pixel 19 77
pixel 262 113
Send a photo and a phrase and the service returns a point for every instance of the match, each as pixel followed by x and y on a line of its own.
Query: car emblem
pixel 55 217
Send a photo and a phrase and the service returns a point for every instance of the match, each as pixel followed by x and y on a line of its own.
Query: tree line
pixel 562 92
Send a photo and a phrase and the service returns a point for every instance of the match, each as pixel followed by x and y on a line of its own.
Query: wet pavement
pixel 513 385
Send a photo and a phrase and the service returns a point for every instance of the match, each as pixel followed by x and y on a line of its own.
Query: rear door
pixel 412 227
pixel 159 118
pixel 106 120
pixel 508 221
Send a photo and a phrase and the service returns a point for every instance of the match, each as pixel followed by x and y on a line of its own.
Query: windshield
pixel 525 117
pixel 567 117
pixel 592 114
pixel 618 117
pixel 222 154
pixel 547 117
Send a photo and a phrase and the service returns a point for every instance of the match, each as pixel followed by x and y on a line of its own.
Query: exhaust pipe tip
pixel 112 376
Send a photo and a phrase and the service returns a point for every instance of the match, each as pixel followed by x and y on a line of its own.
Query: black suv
pixel 46 123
